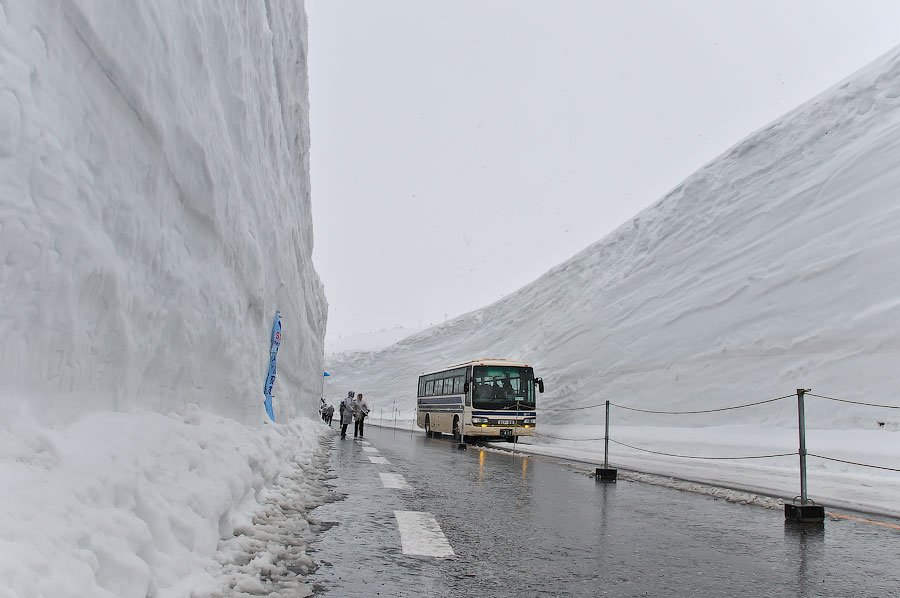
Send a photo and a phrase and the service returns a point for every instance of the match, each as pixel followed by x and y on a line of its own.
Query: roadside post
pixel 605 474
pixel 806 511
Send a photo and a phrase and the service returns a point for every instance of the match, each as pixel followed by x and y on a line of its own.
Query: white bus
pixel 490 398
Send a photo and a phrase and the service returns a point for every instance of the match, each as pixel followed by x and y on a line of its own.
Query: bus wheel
pixel 428 432
pixel 456 434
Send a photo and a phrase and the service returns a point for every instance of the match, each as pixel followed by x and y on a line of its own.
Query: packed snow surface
pixel 155 206
pixel 154 214
pixel 772 268
pixel 136 504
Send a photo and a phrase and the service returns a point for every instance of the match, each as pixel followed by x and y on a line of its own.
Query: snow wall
pixel 773 267
pixel 155 207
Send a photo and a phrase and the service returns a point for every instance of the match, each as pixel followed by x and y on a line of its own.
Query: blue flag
pixel 270 376
pixel 325 374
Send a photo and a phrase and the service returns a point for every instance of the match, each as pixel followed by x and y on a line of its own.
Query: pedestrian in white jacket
pixel 346 413
pixel 360 412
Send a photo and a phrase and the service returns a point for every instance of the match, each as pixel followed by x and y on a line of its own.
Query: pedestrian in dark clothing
pixel 346 413
pixel 329 414
pixel 360 412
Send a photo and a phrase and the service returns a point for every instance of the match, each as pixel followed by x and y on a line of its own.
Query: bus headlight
pixel 529 421
pixel 479 420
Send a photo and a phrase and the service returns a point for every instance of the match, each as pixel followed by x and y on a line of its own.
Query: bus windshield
pixel 502 387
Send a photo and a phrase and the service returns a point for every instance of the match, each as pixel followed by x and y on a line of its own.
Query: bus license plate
pixel 506 422
pixel 506 432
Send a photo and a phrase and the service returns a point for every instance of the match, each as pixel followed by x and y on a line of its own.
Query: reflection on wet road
pixel 528 527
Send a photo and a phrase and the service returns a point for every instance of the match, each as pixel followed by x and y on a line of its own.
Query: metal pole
pixel 802 417
pixel 606 440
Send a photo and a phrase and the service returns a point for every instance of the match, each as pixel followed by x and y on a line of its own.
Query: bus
pixel 483 399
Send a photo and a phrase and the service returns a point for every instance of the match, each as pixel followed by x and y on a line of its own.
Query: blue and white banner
pixel 273 353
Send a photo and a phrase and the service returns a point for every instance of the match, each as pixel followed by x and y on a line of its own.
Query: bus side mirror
pixel 466 387
pixel 540 383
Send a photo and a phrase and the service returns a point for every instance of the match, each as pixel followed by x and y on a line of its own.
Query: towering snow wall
pixel 155 207
pixel 775 266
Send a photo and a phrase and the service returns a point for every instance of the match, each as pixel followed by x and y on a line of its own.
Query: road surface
pixel 421 518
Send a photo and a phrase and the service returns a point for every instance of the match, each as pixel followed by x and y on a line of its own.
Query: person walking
pixel 329 414
pixel 346 409
pixel 360 412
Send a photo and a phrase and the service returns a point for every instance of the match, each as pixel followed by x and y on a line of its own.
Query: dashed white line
pixel 378 460
pixel 421 535
pixel 370 449
pixel 393 480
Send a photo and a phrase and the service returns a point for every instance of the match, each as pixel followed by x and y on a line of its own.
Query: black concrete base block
pixel 606 475
pixel 804 513
pixel 462 446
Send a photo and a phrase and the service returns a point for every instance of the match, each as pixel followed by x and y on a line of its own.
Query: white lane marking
pixel 364 442
pixel 378 460
pixel 393 480
pixel 370 449
pixel 421 535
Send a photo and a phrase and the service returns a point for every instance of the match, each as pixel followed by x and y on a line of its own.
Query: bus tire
pixel 456 433
pixel 428 432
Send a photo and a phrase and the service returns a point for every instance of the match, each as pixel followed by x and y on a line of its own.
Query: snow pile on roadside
pixel 133 504
pixel 267 555
pixel 155 207
pixel 154 213
pixel 771 268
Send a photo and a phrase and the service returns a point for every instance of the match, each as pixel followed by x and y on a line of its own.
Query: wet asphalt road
pixel 522 526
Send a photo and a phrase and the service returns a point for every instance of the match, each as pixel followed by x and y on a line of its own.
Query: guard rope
pixel 700 457
pixel 705 410
pixel 852 462
pixel 809 394
pixel 571 408
pixel 661 453
pixel 564 438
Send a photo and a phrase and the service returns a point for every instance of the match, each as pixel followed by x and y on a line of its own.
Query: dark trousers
pixel 344 430
pixel 358 428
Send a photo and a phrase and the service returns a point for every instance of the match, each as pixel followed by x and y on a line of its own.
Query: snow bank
pixel 772 268
pixel 154 207
pixel 154 213
pixel 132 504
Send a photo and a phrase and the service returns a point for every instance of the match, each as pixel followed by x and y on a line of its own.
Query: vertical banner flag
pixel 270 376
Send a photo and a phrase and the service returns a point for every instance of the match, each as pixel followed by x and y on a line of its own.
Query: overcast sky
pixel 461 149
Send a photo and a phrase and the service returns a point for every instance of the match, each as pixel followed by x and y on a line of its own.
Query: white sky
pixel 461 149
